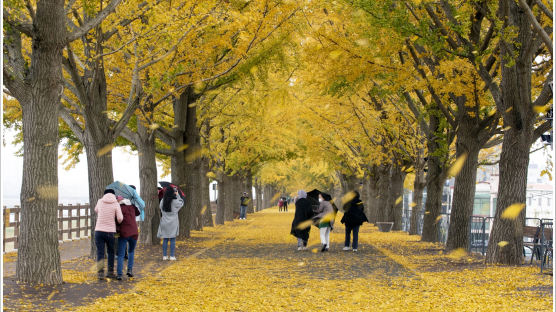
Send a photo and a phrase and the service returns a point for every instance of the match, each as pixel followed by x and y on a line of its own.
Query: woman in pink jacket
pixel 107 209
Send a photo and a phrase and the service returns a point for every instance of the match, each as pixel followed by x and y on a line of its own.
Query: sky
pixel 73 183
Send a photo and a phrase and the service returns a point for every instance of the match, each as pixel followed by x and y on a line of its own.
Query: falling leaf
pixel 203 209
pixel 335 54
pixel 512 211
pixel 30 199
pixel 48 191
pixel 182 147
pixel 502 244
pixel 305 224
pixel 51 295
pixel 458 164
pixel 541 109
pixel 348 197
pixel 398 200
pixel 438 219
pixel 427 212
pixel 275 197
pixel 413 204
pixel 106 149
pixel 314 250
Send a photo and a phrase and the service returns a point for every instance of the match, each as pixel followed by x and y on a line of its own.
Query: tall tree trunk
pixel 249 190
pixel 515 89
pixel 206 218
pixel 148 179
pixel 467 145
pixel 237 192
pixel 38 258
pixel 258 195
pixel 417 200
pixel 372 202
pixel 397 176
pixel 221 200
pixel 435 182
pixel 384 194
pixel 193 197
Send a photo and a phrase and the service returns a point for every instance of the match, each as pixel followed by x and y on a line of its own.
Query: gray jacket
pixel 325 208
pixel 169 223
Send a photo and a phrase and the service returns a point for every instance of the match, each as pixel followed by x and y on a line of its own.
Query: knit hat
pixel 111 191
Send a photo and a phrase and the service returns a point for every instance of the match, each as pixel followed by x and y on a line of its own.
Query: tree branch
pixel 537 26
pixel 546 93
pixel 544 127
pixel 71 122
pixel 545 10
pixel 24 26
pixel 92 23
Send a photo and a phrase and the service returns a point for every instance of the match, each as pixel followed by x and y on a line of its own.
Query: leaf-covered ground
pixel 253 265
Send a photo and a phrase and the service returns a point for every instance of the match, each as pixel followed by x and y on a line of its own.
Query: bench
pixel 539 239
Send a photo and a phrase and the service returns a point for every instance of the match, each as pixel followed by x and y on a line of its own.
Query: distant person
pixel 128 236
pixel 303 213
pixel 353 218
pixel 244 201
pixel 280 204
pixel 285 204
pixel 169 226
pixel 325 220
pixel 108 211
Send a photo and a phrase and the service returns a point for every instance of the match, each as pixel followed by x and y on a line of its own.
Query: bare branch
pixel 20 24
pixel 92 23
pixel 545 10
pixel 544 127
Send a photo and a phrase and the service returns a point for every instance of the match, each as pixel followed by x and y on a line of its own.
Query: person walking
pixel 108 211
pixel 280 204
pixel 169 226
pixel 353 218
pixel 285 204
pixel 303 213
pixel 244 201
pixel 325 220
pixel 128 236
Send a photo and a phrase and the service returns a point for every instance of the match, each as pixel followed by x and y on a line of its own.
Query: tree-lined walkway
pixel 253 265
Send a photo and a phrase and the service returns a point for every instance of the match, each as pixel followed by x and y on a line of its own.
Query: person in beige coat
pixel 325 220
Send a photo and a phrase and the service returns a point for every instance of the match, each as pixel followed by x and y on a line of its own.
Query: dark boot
pixel 100 274
pixel 129 273
pixel 324 248
pixel 110 273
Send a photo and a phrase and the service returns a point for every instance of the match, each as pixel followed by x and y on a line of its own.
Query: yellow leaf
pixel 106 149
pixel 502 244
pixel 398 200
pixel 412 204
pixel 305 224
pixel 154 126
pixel 182 147
pixel 512 211
pixel 457 253
pixel 335 54
pixel 458 164
pixel 203 209
pixel 348 197
pixel 438 219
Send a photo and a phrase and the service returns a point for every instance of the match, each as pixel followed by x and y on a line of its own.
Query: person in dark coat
pixel 313 196
pixel 353 218
pixel 128 236
pixel 303 213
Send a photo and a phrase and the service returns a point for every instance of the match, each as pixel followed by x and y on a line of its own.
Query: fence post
pixel 16 227
pixel 78 220
pixel 60 223
pixel 483 238
pixel 6 221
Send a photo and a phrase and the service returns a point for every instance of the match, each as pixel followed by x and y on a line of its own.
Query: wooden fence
pixel 73 223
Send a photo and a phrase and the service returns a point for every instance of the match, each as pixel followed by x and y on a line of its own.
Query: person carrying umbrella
pixel 301 225
pixel 128 236
pixel 169 226
pixel 107 209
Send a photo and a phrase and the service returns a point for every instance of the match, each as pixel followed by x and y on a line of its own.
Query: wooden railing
pixel 74 222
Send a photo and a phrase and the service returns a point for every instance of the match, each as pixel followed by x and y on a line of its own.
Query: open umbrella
pixel 165 184
pixel 126 191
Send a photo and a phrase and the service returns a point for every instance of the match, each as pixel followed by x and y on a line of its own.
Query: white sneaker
pixel 346 248
pixel 355 250
pixel 299 248
pixel 173 259
pixel 164 258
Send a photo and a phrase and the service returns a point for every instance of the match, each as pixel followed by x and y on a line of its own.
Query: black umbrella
pixel 166 185
pixel 314 194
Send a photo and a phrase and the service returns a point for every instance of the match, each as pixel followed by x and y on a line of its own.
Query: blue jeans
pixel 355 230
pixel 172 246
pixel 242 211
pixel 122 243
pixel 103 239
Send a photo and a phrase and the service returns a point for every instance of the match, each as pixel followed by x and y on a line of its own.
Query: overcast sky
pixel 73 184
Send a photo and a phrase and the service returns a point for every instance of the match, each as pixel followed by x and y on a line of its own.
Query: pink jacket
pixel 107 209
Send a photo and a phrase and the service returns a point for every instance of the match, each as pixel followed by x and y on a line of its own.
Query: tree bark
pixel 249 190
pixel 38 258
pixel 258 195
pixel 221 200
pixel 515 89
pixel 417 200
pixel 206 217
pixel 148 178
pixel 397 176
pixel 384 194
pixel 435 182
pixel 237 192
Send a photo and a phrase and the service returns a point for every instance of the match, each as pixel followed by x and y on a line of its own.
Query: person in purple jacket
pixel 128 236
